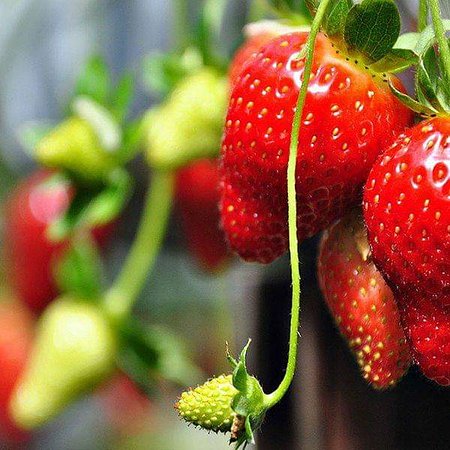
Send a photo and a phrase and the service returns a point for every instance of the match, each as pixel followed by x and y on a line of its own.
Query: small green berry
pixel 209 405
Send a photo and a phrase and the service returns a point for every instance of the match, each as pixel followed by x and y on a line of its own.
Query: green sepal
pixel 372 28
pixel 335 17
pixel 150 353
pixel 397 60
pixel 161 72
pixel 79 270
pixel 94 80
pixel 412 104
pixel 93 206
pixel 248 403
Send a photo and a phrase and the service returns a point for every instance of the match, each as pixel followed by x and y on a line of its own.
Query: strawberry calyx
pixel 379 49
pixel 432 76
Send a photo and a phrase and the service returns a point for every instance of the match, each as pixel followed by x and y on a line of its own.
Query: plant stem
pixel 144 250
pixel 439 31
pixel 423 15
pixel 276 396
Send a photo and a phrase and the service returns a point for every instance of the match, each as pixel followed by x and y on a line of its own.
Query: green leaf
pixel 108 204
pixel 31 133
pixel 93 206
pixel 122 97
pixel 372 28
pixel 335 17
pixel 427 38
pixel 414 105
pixel 312 5
pixel 163 71
pixel 94 81
pixel 407 41
pixel 397 60
pixel 79 270
pixel 153 352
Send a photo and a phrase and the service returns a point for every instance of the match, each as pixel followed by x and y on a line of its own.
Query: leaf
pixel 407 41
pixel 108 204
pixel 427 38
pixel 372 28
pixel 152 352
pixel 414 105
pixel 93 207
pixel 31 133
pixel 162 71
pixel 79 270
pixel 94 81
pixel 312 5
pixel 335 17
pixel 397 60
pixel 122 97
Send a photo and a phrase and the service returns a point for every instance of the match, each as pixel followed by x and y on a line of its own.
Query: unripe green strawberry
pixel 188 126
pixel 209 405
pixel 75 349
pixel 75 146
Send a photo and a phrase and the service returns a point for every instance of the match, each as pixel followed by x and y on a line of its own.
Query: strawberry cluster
pixel 386 281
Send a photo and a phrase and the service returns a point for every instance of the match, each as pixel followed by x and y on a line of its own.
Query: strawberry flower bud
pixel 75 349
pixel 188 126
pixel 209 405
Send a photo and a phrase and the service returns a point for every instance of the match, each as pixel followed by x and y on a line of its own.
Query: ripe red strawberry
pixel 16 335
pixel 407 211
pixel 350 116
pixel 197 201
pixel 29 254
pixel 248 50
pixel 361 303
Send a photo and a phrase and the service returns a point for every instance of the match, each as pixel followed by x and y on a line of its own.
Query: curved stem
pixel 423 15
pixel 439 31
pixel 144 250
pixel 275 397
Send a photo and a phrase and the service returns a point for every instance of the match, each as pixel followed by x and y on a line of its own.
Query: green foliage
pixel 94 80
pixel 335 18
pixel 372 28
pixel 79 272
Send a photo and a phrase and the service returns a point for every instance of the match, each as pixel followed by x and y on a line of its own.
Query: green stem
pixel 144 250
pixel 273 398
pixel 439 31
pixel 423 15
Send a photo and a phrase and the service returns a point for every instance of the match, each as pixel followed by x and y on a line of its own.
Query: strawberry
pixel 30 255
pixel 361 303
pixel 350 116
pixel 407 211
pixel 197 202
pixel 16 335
pixel 248 50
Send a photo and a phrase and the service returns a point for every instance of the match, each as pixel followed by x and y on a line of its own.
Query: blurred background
pixel 43 44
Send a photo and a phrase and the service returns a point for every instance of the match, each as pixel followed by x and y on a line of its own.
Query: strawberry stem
pixel 423 15
pixel 273 398
pixel 441 38
pixel 145 248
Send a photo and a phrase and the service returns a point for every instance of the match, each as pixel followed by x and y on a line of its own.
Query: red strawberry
pixel 16 334
pixel 197 201
pixel 29 254
pixel 248 50
pixel 350 116
pixel 361 303
pixel 407 211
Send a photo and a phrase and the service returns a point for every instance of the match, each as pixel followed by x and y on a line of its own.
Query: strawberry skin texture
pixel 407 211
pixel 30 256
pixel 362 304
pixel 197 196
pixel 16 337
pixel 350 116
pixel 247 51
